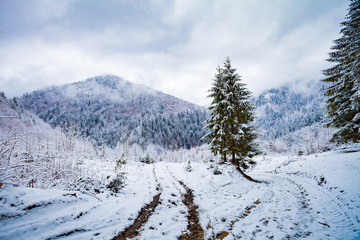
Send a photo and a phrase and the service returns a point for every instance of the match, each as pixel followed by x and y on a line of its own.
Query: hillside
pixel 111 110
pixel 34 154
pixel 291 119
pixel 14 119
pixel 283 110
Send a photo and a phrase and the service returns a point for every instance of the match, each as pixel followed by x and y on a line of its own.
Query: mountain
pixel 283 110
pixel 109 109
pixel 292 118
pixel 15 121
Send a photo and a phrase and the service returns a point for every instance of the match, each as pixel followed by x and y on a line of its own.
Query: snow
pixel 315 196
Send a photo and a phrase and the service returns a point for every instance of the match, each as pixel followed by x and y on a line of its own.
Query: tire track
pixel 328 214
pixel 171 213
pixel 284 213
pixel 333 213
pixel 243 215
pixel 194 229
pixel 144 214
pixel 146 211
pixel 295 223
pixel 322 215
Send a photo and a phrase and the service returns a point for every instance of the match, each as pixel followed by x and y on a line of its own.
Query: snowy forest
pixel 107 158
pixel 170 122
pixel 115 110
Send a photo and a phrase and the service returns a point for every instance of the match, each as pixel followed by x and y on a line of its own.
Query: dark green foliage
pixel 216 123
pixel 182 130
pixel 230 118
pixel 343 92
pixel 14 103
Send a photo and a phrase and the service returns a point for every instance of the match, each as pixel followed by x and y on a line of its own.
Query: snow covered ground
pixel 316 196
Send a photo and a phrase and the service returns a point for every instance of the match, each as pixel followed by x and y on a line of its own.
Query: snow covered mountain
pixel 14 119
pixel 34 154
pixel 290 118
pixel 284 110
pixel 109 109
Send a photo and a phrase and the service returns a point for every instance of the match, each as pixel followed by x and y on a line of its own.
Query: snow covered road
pixel 315 197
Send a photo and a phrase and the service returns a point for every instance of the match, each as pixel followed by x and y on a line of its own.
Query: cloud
pixel 173 46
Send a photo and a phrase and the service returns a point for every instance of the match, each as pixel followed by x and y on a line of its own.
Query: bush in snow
pixel 146 159
pixel 217 171
pixel 120 162
pixel 117 183
pixel 86 184
pixel 188 167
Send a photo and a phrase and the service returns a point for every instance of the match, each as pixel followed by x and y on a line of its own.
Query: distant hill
pixel 109 109
pixel 17 121
pixel 292 118
pixel 283 110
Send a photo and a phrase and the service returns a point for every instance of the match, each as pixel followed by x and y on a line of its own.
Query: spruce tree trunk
pixel 233 158
pixel 245 175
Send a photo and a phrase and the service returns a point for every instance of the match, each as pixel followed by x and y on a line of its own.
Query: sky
pixel 171 45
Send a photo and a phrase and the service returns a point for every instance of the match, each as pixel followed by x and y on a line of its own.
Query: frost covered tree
pixel 231 114
pixel 218 121
pixel 343 103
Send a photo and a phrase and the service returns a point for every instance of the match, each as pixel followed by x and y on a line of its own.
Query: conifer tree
pixel 231 114
pixel 217 122
pixel 343 92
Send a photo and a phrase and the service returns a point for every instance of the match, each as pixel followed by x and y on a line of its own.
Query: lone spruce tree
pixel 230 132
pixel 343 103
pixel 218 121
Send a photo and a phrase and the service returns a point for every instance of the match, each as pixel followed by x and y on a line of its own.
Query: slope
pixel 110 110
pixel 34 154
pixel 292 117
pixel 314 196
pixel 283 110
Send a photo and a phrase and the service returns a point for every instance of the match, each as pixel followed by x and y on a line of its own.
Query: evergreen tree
pixel 217 123
pixel 231 113
pixel 240 113
pixel 343 103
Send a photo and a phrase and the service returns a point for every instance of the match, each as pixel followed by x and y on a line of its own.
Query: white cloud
pixel 170 46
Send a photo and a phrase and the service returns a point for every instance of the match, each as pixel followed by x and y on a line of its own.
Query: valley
pixel 311 196
pixel 187 120
pixel 108 159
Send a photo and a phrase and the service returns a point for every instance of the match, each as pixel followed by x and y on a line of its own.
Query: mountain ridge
pixel 111 109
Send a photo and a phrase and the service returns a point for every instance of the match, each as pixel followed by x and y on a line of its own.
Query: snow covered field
pixel 316 196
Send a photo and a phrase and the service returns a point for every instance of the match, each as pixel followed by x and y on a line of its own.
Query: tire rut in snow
pixel 144 214
pixel 194 229
pixel 158 186
pixel 243 215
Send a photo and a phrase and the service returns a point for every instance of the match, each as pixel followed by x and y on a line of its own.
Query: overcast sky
pixel 172 46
